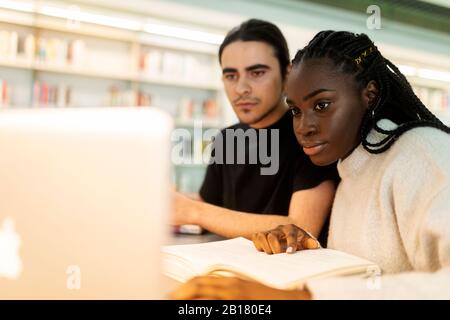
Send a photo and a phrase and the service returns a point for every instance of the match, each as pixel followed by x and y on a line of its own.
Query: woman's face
pixel 328 109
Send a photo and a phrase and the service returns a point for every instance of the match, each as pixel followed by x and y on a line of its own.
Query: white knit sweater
pixel 393 208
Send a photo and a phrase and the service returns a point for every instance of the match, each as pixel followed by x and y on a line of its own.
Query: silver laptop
pixel 83 202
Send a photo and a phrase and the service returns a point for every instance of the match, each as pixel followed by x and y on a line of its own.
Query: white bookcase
pixel 51 58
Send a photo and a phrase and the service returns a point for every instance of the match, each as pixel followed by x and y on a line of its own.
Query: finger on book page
pixel 308 242
pixel 277 241
pixel 261 238
pixel 256 242
pixel 291 240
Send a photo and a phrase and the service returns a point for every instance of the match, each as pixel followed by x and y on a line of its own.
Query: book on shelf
pixel 204 112
pixel 45 95
pixel 5 93
pixel 54 51
pixel 4 47
pixel 118 96
pixel 150 63
pixel 238 257
pixel 433 98
pixel 172 65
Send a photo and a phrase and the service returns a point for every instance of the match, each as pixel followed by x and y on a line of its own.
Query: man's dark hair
pixel 357 55
pixel 263 31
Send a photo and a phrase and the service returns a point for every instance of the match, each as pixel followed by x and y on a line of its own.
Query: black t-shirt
pixel 243 187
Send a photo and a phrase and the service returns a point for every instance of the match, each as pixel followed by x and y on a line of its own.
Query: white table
pixel 193 238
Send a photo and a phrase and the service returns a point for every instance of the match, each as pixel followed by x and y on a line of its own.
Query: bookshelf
pixel 44 51
pixel 435 95
pixel 431 85
pixel 50 56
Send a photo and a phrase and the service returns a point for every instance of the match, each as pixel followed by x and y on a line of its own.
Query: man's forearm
pixel 308 209
pixel 230 223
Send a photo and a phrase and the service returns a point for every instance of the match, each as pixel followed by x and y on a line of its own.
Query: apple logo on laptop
pixel 10 263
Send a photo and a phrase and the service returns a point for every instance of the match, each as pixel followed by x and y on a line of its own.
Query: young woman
pixel 393 203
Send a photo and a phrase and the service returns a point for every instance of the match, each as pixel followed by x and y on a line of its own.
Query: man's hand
pixel 184 210
pixel 231 288
pixel 286 238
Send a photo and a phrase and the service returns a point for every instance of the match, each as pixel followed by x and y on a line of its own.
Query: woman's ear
pixel 370 94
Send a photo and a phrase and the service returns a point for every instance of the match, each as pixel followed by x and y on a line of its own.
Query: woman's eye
pixel 321 106
pixel 295 111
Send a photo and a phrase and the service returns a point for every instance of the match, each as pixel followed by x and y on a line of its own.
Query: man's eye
pixel 321 106
pixel 257 73
pixel 295 111
pixel 230 77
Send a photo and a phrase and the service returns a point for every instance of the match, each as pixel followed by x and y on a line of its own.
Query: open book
pixel 239 257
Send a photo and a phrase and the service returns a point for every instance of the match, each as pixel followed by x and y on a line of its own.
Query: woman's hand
pixel 287 238
pixel 231 288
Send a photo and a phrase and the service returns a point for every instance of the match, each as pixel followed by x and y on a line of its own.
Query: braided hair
pixel 356 54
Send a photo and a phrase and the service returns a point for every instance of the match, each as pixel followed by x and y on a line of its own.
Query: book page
pixel 240 256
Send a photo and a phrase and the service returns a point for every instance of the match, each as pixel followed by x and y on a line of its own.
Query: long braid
pixel 356 54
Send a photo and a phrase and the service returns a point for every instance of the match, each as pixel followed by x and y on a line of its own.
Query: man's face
pixel 252 79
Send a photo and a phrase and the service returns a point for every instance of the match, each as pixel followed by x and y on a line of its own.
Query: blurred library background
pixel 163 53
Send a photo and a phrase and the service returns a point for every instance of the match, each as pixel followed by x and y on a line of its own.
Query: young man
pixel 239 199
